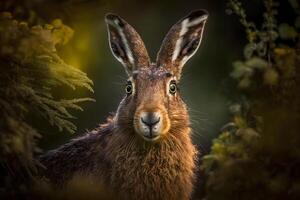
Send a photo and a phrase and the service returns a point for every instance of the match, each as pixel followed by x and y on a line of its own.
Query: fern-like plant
pixel 31 70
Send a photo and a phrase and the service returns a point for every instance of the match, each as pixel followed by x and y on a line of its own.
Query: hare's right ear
pixel 126 44
pixel 182 42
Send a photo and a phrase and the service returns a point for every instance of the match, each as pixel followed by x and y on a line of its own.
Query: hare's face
pixel 157 101
pixel 153 107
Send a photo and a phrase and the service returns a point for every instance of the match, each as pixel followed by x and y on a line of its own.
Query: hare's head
pixel 152 106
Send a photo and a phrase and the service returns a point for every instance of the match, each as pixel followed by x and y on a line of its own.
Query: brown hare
pixel 145 150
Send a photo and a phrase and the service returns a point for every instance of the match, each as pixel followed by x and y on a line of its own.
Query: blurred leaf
pixel 240 122
pixel 235 109
pixel 257 62
pixel 271 77
pixel 287 32
pixel 244 83
pixel 249 50
pixel 240 70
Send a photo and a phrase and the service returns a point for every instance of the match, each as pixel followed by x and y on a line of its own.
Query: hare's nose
pixel 150 119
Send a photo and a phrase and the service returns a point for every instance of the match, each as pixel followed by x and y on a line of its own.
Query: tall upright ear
pixel 182 42
pixel 126 44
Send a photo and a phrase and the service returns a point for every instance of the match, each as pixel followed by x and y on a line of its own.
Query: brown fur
pixel 116 155
pixel 129 166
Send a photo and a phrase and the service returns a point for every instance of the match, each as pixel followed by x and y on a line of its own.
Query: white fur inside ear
pixel 128 51
pixel 197 21
pixel 185 24
pixel 183 30
pixel 186 58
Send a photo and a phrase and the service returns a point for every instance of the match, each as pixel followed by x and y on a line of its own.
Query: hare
pixel 145 150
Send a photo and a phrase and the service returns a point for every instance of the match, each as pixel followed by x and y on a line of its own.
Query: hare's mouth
pixel 151 138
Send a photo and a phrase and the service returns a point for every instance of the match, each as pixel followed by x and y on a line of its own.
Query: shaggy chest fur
pixel 127 167
pixel 164 170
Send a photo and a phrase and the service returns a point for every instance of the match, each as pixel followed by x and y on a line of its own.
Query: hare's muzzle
pixel 149 125
pixel 150 121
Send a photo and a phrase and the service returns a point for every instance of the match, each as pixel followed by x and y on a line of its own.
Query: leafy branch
pixel 31 71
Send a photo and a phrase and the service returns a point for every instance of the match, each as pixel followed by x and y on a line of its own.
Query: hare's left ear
pixel 182 42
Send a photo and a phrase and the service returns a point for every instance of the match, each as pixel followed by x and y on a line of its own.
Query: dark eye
pixel 172 87
pixel 128 88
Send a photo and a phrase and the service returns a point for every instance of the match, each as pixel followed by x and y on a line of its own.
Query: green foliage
pixel 31 71
pixel 257 156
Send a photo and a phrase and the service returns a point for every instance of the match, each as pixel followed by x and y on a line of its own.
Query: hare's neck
pixel 152 170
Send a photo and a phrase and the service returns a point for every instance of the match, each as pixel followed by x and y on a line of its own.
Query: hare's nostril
pixel 150 119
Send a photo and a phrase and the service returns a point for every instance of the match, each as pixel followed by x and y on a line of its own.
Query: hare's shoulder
pixel 78 155
pixel 84 143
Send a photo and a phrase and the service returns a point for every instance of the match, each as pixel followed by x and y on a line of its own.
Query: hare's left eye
pixel 128 88
pixel 172 87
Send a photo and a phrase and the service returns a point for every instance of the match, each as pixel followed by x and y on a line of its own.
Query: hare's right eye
pixel 128 88
pixel 172 87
